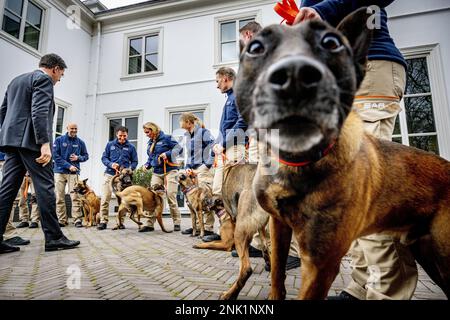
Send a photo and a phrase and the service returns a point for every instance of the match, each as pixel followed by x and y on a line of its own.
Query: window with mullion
pixel 143 54
pixel 23 19
pixel 419 129
pixel 229 38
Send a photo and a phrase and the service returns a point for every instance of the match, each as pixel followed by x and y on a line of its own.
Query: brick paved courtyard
pixel 126 264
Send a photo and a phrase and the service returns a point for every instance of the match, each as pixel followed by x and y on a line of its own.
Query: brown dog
pixel 197 197
pixel 243 218
pixel 136 200
pixel 89 202
pixel 334 182
pixel 124 179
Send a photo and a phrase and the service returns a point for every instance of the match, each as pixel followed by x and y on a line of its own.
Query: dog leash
pixel 288 10
pixel 171 164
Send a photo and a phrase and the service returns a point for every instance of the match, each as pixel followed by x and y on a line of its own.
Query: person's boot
pixel 6 248
pixel 101 226
pixel 61 244
pixel 292 262
pixel 187 231
pixel 23 224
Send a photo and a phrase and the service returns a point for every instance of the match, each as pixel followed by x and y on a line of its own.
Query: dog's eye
pixel 331 42
pixel 256 48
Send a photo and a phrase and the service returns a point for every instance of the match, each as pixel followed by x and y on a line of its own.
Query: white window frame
pixel 19 42
pixel 123 115
pixel 125 62
pixel 217 35
pixel 67 108
pixel 438 92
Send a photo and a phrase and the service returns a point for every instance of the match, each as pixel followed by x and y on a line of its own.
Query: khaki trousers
pixel 205 176
pixel 383 268
pixel 171 193
pixel 61 180
pixel 106 197
pixel 24 214
pixel 233 154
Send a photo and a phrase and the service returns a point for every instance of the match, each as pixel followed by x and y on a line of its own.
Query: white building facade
pixel 154 60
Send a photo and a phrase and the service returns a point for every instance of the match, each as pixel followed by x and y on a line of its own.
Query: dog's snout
pixel 295 75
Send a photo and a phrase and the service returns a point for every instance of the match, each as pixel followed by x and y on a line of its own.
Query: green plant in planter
pixel 142 177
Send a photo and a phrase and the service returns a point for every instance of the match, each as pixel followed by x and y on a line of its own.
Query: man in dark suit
pixel 26 122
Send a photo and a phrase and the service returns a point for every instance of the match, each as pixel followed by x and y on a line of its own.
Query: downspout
pixel 95 93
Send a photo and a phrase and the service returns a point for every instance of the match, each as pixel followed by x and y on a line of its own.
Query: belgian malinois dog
pixel 89 202
pixel 136 200
pixel 243 217
pixel 197 196
pixel 334 182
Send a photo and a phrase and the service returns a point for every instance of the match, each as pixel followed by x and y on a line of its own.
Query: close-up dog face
pixel 302 79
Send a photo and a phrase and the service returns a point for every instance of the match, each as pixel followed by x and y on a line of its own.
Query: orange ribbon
pixel 288 10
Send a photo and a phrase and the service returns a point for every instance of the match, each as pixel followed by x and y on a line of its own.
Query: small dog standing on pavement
pixel 89 202
pixel 197 197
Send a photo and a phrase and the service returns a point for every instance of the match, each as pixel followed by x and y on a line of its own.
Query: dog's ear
pixel 356 28
pixel 84 181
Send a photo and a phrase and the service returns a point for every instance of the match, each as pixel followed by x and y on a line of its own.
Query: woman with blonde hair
pixel 162 151
pixel 199 142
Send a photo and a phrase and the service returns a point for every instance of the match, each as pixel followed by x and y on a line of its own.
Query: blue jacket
pixel 63 147
pixel 230 121
pixel 199 148
pixel 382 46
pixel 164 144
pixel 2 156
pixel 123 154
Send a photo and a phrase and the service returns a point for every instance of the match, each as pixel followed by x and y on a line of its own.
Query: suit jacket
pixel 26 114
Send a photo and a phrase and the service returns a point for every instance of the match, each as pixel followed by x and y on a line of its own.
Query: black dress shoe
pixel 343 296
pixel 208 233
pixel 6 248
pixel 176 227
pixel 252 252
pixel 23 224
pixel 34 225
pixel 17 241
pixel 101 226
pixel 292 262
pixel 146 229
pixel 61 244
pixel 78 224
pixel 211 237
pixel 187 231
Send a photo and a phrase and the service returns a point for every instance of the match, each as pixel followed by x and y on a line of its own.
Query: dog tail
pixel 161 224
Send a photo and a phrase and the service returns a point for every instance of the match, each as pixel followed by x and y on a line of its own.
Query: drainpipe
pixel 95 93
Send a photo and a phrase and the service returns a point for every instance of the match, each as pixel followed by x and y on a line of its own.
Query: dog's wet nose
pixel 295 75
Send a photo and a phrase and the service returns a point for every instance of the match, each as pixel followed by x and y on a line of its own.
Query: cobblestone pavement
pixel 126 264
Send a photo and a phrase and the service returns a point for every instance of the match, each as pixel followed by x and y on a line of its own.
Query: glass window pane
pixel 228 32
pixel 427 143
pixel 199 114
pixel 31 36
pixel 397 126
pixel 151 62
pixel 135 47
pixel 60 120
pixel 228 52
pixel 417 80
pixel 151 44
pixel 34 15
pixel 11 24
pixel 135 65
pixel 132 125
pixel 113 124
pixel 244 22
pixel 397 139
pixel 15 6
pixel 175 121
pixel 419 114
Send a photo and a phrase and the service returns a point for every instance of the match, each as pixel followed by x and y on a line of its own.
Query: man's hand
pixel 73 169
pixel 73 157
pixel 306 14
pixel 46 155
pixel 115 166
pixel 163 156
pixel 218 149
